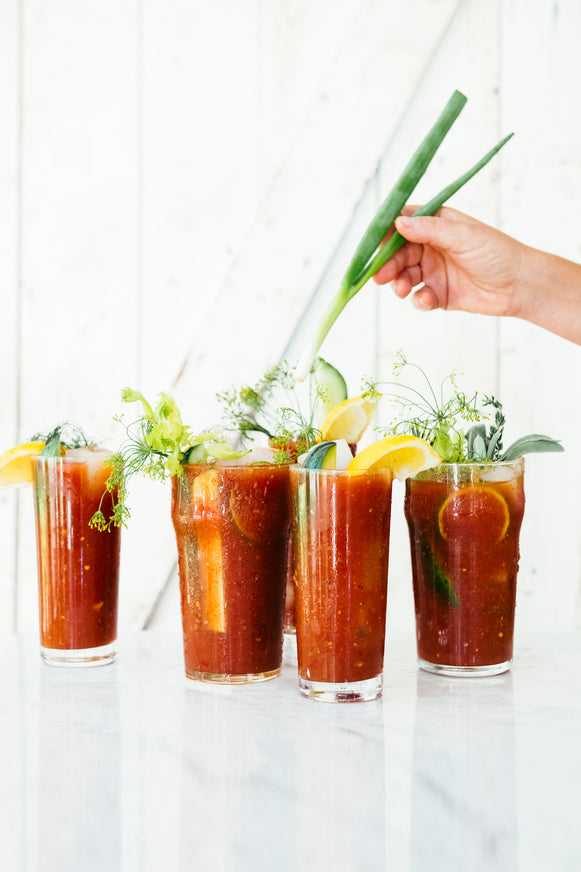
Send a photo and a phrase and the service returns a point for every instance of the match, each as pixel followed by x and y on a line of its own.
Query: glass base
pixel 465 671
pixel 76 657
pixel 224 678
pixel 345 691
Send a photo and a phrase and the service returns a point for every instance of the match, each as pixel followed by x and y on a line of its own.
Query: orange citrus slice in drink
pixel 205 494
pixel 16 463
pixel 349 419
pixel 476 513
pixel 404 455
pixel 259 516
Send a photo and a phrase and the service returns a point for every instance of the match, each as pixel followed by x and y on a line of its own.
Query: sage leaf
pixel 52 448
pixel 494 439
pixel 479 448
pixel 535 443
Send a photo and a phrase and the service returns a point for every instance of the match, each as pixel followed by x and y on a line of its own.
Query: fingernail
pixel 423 301
pixel 405 221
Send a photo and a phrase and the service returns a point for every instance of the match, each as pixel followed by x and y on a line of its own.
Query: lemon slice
pixel 349 419
pixel 477 513
pixel 404 455
pixel 16 463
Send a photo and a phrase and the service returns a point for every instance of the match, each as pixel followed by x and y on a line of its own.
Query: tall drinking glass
pixel 78 567
pixel 341 527
pixel 464 521
pixel 232 527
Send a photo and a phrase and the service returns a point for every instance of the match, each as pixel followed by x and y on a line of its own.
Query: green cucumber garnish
pixel 432 569
pixel 328 387
pixel 316 456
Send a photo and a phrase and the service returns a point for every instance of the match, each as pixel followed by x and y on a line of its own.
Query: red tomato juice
pixel 232 529
pixel 289 610
pixel 340 552
pixel 464 524
pixel 78 567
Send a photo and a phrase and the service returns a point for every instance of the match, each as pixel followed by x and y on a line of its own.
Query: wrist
pixel 531 279
pixel 549 293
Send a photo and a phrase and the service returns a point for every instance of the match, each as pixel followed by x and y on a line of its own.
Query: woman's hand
pixel 456 262
pixel 461 263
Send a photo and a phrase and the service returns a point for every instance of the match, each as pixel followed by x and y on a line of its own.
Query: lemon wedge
pixel 404 455
pixel 349 419
pixel 16 463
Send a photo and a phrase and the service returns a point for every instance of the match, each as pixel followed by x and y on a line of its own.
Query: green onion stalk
pixel 370 254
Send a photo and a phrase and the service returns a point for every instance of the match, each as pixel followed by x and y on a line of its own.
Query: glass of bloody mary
pixel 341 527
pixel 232 528
pixel 464 521
pixel 78 566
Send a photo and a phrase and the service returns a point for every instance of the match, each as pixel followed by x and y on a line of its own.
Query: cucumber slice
pixel 315 458
pixel 328 389
pixel 196 454
pixel 216 448
pixel 328 455
pixel 433 571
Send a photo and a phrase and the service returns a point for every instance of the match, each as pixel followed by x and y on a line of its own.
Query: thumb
pixel 428 229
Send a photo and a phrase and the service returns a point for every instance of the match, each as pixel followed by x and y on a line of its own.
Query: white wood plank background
pixel 180 182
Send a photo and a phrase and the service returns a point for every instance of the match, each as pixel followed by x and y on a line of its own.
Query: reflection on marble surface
pixel 133 767
pixel 76 758
pixel 464 774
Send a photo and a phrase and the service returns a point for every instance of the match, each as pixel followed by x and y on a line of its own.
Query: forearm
pixel 550 294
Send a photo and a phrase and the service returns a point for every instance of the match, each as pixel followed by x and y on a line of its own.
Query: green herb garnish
pixel 371 254
pixel 63 436
pixel 430 414
pixel 272 407
pixel 158 443
pixel 441 420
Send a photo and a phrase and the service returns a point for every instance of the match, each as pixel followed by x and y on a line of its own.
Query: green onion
pixel 368 259
pixel 403 188
pixel 396 240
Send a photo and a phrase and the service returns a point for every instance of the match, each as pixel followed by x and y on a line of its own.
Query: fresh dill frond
pixel 440 416
pixel 369 389
pixel 63 436
pixel 116 486
pixel 156 445
pixel 270 407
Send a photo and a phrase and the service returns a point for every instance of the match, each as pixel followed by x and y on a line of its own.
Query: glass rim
pixel 231 464
pixel 356 473
pixel 299 466
pixel 472 463
pixel 470 470
pixel 39 458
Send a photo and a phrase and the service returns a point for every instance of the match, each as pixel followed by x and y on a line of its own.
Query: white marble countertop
pixel 133 767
